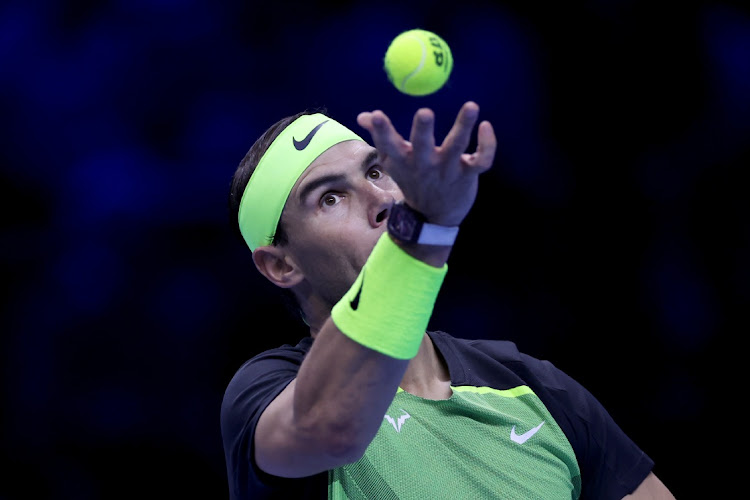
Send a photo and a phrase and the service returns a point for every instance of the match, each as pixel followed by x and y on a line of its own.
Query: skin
pixel 335 213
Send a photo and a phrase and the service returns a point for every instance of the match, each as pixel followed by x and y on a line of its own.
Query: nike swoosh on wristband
pixel 300 145
pixel 355 301
pixel 525 436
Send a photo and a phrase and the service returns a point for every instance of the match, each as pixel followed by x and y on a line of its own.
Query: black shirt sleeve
pixel 611 464
pixel 255 384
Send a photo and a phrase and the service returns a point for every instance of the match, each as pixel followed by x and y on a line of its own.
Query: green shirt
pixel 479 443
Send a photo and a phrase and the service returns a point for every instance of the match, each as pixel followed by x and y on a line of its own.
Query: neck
pixel 427 375
pixel 315 310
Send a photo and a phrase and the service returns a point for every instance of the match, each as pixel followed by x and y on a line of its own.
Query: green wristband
pixel 390 303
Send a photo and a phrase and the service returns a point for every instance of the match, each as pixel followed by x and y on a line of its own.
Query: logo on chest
pixel 399 421
pixel 522 438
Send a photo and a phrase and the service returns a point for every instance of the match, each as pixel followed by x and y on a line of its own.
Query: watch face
pixel 403 223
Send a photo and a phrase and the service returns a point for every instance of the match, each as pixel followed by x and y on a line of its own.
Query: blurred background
pixel 611 235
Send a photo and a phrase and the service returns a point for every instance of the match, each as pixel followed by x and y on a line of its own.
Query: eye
pixel 374 173
pixel 329 199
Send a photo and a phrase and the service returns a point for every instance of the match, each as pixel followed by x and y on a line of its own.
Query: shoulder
pixel 485 357
pixel 500 365
pixel 254 385
pixel 595 437
pixel 278 358
pixel 501 350
pixel 262 377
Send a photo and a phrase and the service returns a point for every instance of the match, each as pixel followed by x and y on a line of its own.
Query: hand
pixel 439 181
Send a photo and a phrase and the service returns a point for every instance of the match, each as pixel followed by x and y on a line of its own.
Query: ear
pixel 274 264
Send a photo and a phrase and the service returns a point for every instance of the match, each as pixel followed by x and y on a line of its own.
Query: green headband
pixel 278 170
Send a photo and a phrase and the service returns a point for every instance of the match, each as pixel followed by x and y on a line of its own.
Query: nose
pixel 380 205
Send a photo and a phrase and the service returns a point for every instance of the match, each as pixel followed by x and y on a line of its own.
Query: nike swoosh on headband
pixel 279 168
pixel 300 145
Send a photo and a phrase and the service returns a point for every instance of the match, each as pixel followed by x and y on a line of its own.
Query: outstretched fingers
pixel 385 138
pixel 458 137
pixel 423 135
pixel 484 156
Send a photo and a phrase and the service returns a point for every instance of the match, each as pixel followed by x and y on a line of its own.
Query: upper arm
pixel 282 447
pixel 269 437
pixel 651 488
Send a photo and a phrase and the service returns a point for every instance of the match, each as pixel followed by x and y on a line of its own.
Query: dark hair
pixel 245 171
pixel 242 176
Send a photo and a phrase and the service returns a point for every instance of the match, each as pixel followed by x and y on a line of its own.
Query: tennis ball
pixel 418 62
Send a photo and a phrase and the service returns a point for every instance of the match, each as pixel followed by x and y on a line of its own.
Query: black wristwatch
pixel 406 224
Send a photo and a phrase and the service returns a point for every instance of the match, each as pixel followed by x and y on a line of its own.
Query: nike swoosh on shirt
pixel 300 145
pixel 355 301
pixel 520 439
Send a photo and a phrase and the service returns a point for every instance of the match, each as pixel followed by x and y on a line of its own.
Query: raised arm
pixel 329 414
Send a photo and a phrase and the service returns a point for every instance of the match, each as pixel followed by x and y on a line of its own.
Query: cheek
pixel 341 225
pixel 388 184
pixel 331 270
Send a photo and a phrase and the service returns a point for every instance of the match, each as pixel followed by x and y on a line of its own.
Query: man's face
pixel 335 214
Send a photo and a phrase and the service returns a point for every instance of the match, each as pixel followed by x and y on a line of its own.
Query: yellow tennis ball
pixel 418 62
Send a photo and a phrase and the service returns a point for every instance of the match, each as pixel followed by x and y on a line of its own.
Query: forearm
pixel 363 350
pixel 343 390
pixel 329 414
pixel 435 256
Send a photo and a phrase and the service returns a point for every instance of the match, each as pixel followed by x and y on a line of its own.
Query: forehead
pixel 344 155
pixel 337 161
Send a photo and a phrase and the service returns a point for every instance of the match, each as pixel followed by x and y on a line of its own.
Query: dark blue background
pixel 610 236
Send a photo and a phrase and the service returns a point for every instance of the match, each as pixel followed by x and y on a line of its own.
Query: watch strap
pixel 434 234
pixel 406 224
